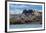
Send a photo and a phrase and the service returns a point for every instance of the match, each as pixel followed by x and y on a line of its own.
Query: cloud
pixel 18 8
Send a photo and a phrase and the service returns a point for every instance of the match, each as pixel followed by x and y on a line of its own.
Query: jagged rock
pixel 27 16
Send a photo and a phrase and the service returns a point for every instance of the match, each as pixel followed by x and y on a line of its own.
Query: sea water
pixel 19 26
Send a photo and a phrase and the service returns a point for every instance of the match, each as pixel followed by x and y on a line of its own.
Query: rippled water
pixel 25 26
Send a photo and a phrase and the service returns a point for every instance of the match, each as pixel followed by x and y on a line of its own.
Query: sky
pixel 18 8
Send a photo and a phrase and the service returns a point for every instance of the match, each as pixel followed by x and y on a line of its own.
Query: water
pixel 25 26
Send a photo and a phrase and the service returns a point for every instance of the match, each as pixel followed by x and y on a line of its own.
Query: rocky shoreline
pixel 26 17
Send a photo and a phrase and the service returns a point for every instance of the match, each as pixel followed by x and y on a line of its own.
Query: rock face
pixel 27 16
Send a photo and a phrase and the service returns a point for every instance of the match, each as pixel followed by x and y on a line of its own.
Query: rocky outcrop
pixel 26 17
